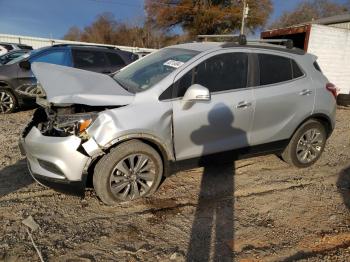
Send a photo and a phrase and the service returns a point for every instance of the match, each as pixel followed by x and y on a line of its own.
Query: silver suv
pixel 198 101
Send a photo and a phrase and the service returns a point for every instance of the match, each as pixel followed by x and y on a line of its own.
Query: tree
pixel 101 30
pixel 310 10
pixel 106 30
pixel 74 34
pixel 206 16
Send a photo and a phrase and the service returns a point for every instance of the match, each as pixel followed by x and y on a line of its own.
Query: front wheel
pixel 129 171
pixel 306 145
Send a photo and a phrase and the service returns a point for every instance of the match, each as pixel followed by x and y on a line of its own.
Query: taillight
pixel 333 89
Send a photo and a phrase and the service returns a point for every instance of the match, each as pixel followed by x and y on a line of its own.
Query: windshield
pixel 148 71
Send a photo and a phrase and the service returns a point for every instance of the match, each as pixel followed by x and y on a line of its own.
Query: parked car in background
pixel 4 59
pixel 199 101
pixel 8 47
pixel 18 85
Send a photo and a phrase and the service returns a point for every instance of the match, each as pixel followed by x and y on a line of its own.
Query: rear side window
pixel 58 57
pixel 219 73
pixel 89 59
pixel 276 69
pixel 115 59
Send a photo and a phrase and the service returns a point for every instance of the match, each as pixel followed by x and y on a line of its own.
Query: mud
pixel 258 209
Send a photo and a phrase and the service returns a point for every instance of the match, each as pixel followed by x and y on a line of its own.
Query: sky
pixel 53 18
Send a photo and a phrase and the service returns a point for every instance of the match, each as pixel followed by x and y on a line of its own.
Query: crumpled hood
pixel 67 85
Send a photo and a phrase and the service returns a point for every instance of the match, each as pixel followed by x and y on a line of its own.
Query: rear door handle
pixel 243 104
pixel 305 92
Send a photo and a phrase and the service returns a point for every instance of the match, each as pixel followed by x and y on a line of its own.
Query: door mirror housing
pixel 25 64
pixel 196 93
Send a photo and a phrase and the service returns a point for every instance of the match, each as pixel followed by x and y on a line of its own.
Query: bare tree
pixel 106 30
pixel 74 34
pixel 310 10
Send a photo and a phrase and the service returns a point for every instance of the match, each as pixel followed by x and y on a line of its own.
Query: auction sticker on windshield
pixel 173 63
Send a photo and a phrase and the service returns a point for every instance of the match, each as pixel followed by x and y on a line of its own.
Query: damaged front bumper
pixel 54 159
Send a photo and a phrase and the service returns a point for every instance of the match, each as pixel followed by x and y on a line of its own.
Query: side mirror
pixel 25 64
pixel 196 93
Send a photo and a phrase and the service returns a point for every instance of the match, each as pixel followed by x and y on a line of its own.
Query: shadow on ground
pixel 14 177
pixel 212 235
pixel 343 185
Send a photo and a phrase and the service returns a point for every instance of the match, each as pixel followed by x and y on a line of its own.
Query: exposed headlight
pixel 75 124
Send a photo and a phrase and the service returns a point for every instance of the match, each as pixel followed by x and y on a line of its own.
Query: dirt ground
pixel 258 209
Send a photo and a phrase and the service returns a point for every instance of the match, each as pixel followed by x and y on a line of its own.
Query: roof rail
pixel 240 39
pixel 86 45
pixel 287 42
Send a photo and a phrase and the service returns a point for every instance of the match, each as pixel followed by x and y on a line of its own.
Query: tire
pixel 113 180
pixel 343 100
pixel 8 101
pixel 310 137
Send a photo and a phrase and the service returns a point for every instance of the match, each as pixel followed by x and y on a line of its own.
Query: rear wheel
pixel 307 145
pixel 7 102
pixel 130 171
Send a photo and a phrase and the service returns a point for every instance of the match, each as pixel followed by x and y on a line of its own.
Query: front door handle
pixel 305 92
pixel 243 104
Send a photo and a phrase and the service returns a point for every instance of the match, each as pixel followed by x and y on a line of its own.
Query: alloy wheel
pixel 6 102
pixel 132 177
pixel 310 146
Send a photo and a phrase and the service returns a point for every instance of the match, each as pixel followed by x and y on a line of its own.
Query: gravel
pixel 258 209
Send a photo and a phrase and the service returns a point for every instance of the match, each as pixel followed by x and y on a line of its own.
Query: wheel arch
pixel 322 118
pixel 165 154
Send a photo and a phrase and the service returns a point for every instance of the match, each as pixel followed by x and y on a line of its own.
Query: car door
pixel 284 97
pixel 91 60
pixel 224 122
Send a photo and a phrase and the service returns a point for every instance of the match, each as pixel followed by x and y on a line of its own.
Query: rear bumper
pixel 54 159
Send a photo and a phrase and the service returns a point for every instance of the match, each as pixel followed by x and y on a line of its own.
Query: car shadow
pixel 343 185
pixel 14 177
pixel 212 234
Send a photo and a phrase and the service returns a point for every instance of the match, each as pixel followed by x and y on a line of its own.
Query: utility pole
pixel 244 15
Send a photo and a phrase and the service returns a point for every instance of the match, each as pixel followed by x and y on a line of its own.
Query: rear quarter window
pixel 115 59
pixel 317 66
pixel 297 72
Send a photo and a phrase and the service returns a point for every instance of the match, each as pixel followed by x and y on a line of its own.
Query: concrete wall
pixel 332 47
pixel 37 42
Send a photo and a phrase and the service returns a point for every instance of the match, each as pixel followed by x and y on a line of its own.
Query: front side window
pixel 145 73
pixel 219 73
pixel 58 57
